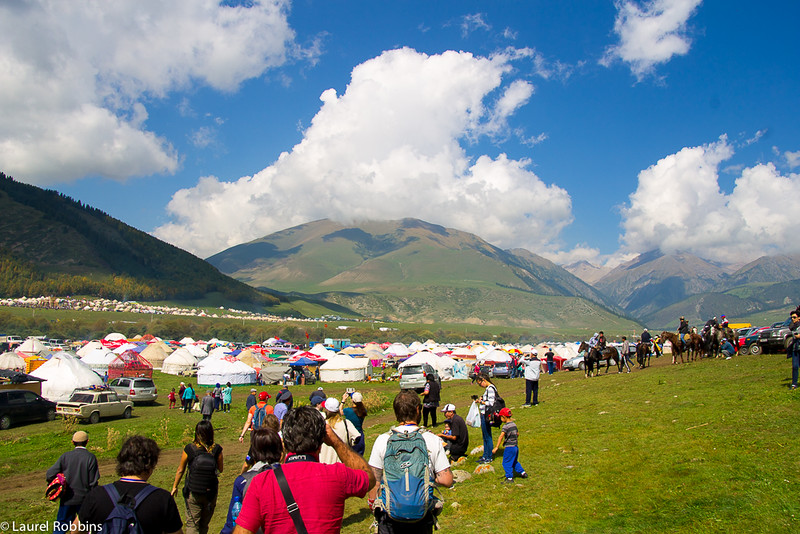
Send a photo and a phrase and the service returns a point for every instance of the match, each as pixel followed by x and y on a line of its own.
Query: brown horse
pixel 594 357
pixel 643 354
pixel 677 348
pixel 695 346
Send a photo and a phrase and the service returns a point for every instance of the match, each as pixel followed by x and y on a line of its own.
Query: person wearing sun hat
pixel 79 468
pixel 343 428
pixel 459 436
pixel 510 434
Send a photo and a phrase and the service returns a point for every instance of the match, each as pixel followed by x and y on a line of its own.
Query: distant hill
pixel 586 271
pixel 412 270
pixel 51 244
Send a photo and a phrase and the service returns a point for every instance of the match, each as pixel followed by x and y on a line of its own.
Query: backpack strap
pixel 291 504
pixel 113 494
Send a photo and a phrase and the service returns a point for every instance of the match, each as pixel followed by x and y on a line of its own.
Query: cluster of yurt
pixel 63 373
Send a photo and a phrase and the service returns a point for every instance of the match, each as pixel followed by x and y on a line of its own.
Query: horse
pixel 713 341
pixel 677 348
pixel 643 354
pixel 594 357
pixel 695 346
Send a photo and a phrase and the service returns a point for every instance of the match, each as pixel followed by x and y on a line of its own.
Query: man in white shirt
pixel 408 411
pixel 533 368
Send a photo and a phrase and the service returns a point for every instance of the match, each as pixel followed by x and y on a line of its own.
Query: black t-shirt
pixel 458 428
pixel 549 355
pixel 157 513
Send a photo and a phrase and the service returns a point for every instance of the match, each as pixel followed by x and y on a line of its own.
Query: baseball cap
pixel 252 390
pixel 505 412
pixel 357 397
pixel 534 352
pixel 263 395
pixel 331 404
pixel 80 436
pixel 449 408
pixel 319 388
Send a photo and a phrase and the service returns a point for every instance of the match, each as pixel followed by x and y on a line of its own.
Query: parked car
pixel 92 404
pixel 414 376
pixel 773 339
pixel 22 406
pixel 573 364
pixel 135 389
pixel 497 370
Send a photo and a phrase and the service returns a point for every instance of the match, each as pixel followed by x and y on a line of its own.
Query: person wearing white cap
pixel 459 436
pixel 340 426
pixel 79 467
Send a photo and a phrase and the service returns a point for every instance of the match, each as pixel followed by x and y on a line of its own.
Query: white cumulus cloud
pixel 678 206
pixel 650 33
pixel 389 147
pixel 74 76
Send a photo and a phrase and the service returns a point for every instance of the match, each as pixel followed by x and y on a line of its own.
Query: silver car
pixel 413 376
pixel 137 390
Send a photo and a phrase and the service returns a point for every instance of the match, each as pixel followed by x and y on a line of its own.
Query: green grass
pixel 702 447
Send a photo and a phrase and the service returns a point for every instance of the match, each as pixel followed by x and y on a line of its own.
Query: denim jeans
pixel 66 513
pixel 488 444
pixel 795 367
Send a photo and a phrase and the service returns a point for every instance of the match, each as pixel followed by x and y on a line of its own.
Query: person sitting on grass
pixel 510 434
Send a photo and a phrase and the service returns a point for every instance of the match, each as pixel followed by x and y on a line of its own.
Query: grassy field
pixel 703 447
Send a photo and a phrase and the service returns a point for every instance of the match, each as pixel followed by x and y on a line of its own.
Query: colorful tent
pixel 131 364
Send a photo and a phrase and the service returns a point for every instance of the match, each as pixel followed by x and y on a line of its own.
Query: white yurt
pixel 179 362
pixel 495 356
pixel 115 336
pixel 463 352
pixel 398 350
pixel 99 359
pixel 439 363
pixel 224 370
pixel 155 354
pixel 12 361
pixel 32 347
pixel 417 346
pixel 196 350
pixel 90 346
pixel 343 368
pixel 322 352
pixel 62 374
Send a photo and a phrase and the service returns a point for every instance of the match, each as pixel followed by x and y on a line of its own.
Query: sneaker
pixel 794 386
pixel 508 481
pixel 523 475
pixel 526 405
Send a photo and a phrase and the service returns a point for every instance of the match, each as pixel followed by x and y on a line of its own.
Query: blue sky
pixel 589 130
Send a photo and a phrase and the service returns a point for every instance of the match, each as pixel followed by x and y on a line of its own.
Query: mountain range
pixel 658 288
pixel 411 270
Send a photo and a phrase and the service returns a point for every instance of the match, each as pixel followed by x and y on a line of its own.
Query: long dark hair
pixel 360 409
pixel 204 434
pixel 265 445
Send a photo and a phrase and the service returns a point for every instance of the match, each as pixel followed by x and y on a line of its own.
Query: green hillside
pixel 51 244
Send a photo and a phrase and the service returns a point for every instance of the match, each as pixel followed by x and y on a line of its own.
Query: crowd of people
pixel 303 462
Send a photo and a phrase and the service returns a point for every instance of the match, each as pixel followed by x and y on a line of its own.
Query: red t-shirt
pixel 319 490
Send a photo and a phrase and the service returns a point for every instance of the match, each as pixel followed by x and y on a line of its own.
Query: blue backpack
pixel 407 484
pixel 122 519
pixel 259 415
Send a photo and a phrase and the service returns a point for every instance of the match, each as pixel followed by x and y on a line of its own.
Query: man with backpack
pixel 256 414
pixel 407 461
pixel 131 504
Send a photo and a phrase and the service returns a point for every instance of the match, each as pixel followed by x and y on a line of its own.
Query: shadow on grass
pixel 354 519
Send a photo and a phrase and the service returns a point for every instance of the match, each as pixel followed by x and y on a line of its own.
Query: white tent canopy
pixel 397 349
pixel 115 336
pixel 343 368
pixel 224 370
pixel 62 374
pixel 155 354
pixel 322 352
pixel 196 350
pixel 99 359
pixel 13 361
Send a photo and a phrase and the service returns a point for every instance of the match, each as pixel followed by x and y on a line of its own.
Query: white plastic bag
pixel 474 415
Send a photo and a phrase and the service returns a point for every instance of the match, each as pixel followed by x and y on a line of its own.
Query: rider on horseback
pixel 683 331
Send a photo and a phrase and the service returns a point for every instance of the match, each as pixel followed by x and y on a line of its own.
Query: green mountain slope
pixel 412 270
pixel 51 244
